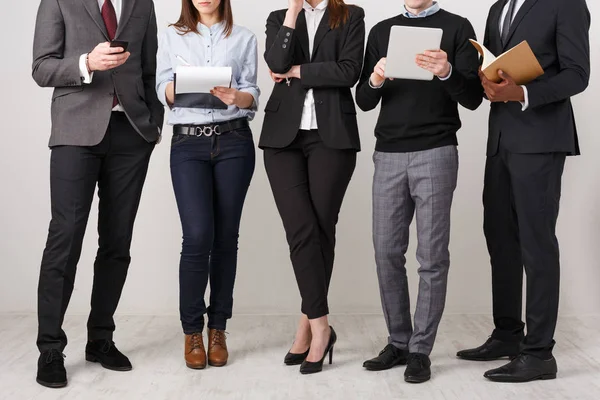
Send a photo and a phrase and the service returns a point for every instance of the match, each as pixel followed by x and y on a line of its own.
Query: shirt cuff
pixel 255 95
pixel 525 103
pixel 449 74
pixel 86 77
pixel 375 87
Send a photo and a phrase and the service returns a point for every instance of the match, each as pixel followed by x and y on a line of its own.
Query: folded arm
pixel 368 96
pixel 573 45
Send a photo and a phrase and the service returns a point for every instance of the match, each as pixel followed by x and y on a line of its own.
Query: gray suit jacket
pixel 66 29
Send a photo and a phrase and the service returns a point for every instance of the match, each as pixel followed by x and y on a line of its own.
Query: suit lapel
pixel 495 37
pixel 321 32
pixel 126 10
pixel 519 18
pixel 302 34
pixel 92 8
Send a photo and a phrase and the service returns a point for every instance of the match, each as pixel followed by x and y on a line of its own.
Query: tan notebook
pixel 519 62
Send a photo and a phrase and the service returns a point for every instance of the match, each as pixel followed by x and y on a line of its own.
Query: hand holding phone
pixel 120 43
pixel 105 57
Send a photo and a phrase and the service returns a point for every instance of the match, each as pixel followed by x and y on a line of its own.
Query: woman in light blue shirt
pixel 212 163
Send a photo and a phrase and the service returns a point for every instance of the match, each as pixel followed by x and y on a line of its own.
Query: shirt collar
pixel 213 29
pixel 425 13
pixel 320 7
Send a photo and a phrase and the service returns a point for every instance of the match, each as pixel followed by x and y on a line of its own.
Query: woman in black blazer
pixel 310 139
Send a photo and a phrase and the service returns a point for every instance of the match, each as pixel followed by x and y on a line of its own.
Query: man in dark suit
pixel 106 119
pixel 532 130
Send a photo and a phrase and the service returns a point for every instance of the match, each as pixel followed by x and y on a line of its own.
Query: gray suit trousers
pixel 405 183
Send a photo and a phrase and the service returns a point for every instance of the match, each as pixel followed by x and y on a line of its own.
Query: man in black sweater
pixel 416 167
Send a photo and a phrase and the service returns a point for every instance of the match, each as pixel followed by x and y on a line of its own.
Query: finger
pixel 379 71
pixel 433 54
pixel 223 89
pixel 113 50
pixel 506 77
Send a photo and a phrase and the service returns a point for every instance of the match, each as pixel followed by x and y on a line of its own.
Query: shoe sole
pixel 93 359
pixel 375 369
pixel 215 364
pixel 415 379
pixel 293 363
pixel 543 377
pixel 192 366
pixel 52 385
pixel 512 357
pixel 311 372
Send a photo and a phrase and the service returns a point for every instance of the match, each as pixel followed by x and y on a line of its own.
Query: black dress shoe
pixel 524 368
pixel 418 369
pixel 492 349
pixel 51 369
pixel 106 353
pixel 388 358
pixel 295 359
pixel 308 367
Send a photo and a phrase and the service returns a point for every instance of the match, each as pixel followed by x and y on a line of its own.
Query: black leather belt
pixel 211 129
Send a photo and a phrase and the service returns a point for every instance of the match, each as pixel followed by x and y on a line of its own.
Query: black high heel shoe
pixel 295 359
pixel 308 367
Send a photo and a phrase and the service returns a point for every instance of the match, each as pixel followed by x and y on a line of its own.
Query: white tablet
pixel 405 43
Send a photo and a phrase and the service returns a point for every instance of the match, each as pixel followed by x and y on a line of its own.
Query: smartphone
pixel 119 43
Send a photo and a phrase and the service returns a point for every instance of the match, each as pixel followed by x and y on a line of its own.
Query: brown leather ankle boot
pixel 195 354
pixel 217 348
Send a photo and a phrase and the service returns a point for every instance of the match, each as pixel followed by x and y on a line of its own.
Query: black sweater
pixel 421 115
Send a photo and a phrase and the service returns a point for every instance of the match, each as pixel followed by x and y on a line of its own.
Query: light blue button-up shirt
pixel 425 13
pixel 209 48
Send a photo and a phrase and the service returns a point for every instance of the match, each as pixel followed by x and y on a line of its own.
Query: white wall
pixel 265 282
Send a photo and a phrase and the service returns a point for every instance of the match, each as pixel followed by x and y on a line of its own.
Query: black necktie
pixel 508 21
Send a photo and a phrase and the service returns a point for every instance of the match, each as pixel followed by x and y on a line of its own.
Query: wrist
pixel 87 63
pixel 445 72
pixel 376 80
pixel 521 94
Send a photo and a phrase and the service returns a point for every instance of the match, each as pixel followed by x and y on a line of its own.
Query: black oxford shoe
pixel 524 368
pixel 106 353
pixel 388 358
pixel 51 369
pixel 492 349
pixel 418 369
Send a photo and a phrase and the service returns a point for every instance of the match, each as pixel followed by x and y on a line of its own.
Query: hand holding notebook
pixel 519 62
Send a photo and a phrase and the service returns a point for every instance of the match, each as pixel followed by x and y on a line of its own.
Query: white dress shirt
pixel 314 15
pixel 520 3
pixel 86 77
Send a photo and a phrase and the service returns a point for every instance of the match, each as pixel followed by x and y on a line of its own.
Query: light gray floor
pixel 257 346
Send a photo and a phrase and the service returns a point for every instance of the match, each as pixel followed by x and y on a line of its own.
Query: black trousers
pixel 118 165
pixel 521 204
pixel 309 181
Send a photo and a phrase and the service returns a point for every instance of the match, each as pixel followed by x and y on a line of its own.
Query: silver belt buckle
pixel 208 130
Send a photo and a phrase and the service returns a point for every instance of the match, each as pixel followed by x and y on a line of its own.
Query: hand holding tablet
pixel 414 53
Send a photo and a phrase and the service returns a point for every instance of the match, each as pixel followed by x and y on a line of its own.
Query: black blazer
pixel 558 33
pixel 331 71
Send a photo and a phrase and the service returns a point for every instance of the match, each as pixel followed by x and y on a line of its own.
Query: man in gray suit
pixel 416 168
pixel 106 119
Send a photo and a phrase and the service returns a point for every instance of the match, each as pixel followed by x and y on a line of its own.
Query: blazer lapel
pixel 495 37
pixel 321 32
pixel 302 34
pixel 126 10
pixel 519 18
pixel 92 8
